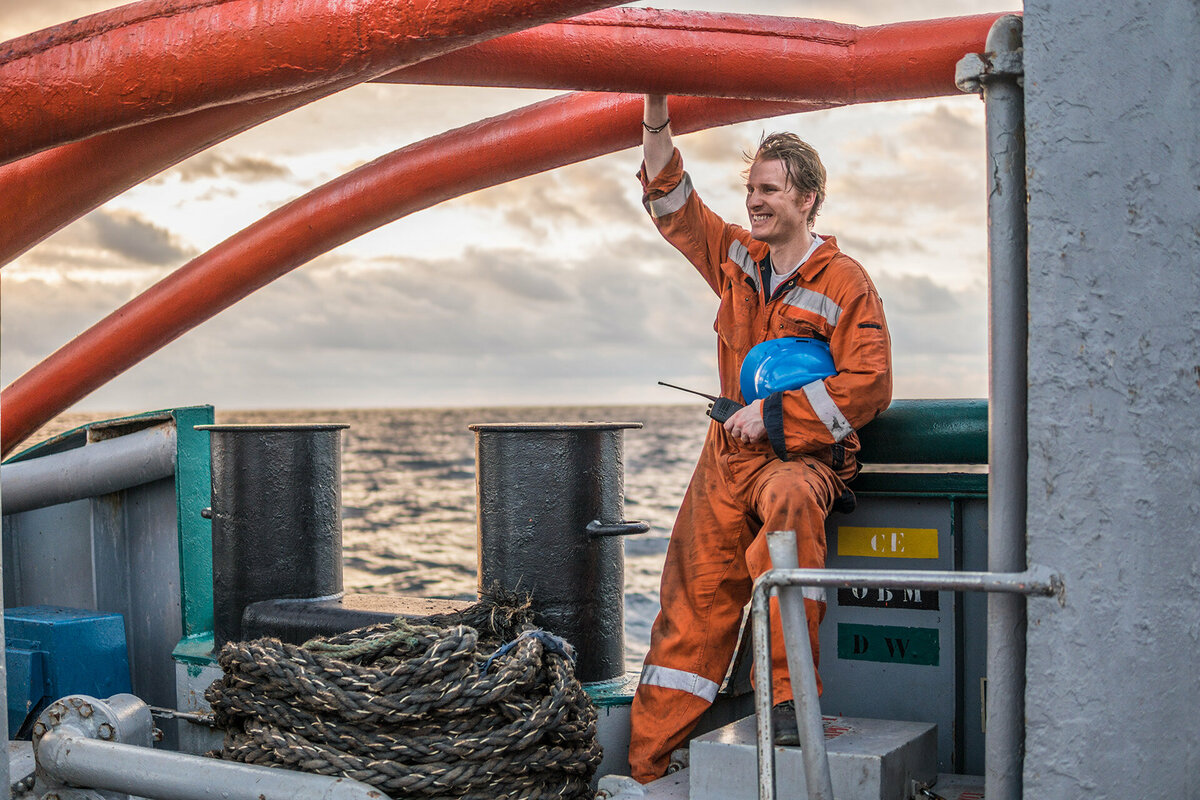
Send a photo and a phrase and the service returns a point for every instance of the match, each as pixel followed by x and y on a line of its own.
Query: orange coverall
pixel 739 492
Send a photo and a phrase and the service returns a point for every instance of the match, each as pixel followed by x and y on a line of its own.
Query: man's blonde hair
pixel 801 164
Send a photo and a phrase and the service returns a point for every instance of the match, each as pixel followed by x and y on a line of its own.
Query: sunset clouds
pixel 551 289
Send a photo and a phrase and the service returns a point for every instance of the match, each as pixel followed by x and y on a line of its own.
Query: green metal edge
pixel 195 650
pixel 974 484
pixel 193 488
pixel 927 432
pixel 75 437
pixel 613 693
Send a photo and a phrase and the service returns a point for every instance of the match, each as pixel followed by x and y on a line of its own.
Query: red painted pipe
pixel 48 190
pixel 620 49
pixel 162 58
pixel 719 55
pixel 551 134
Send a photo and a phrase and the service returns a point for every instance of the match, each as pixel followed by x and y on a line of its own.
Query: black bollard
pixel 276 514
pixel 550 502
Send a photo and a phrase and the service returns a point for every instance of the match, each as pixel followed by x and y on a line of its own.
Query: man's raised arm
pixel 656 135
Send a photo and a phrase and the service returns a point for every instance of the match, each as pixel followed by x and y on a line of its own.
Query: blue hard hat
pixel 778 365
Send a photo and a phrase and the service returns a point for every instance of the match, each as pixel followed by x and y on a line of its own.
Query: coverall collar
pixel 809 270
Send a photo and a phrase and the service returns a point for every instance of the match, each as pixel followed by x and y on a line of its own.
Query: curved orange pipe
pixel 718 55
pixel 48 190
pixel 617 49
pixel 551 134
pixel 162 58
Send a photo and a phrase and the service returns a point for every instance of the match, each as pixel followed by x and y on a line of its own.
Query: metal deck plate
pixel 868 760
pixel 959 787
pixel 619 787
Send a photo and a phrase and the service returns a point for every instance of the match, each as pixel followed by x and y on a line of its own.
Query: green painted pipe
pixel 927 432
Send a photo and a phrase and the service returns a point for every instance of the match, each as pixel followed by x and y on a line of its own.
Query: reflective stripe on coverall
pixel 738 492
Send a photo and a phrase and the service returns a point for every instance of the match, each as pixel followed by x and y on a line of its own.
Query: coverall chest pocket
pixel 788 320
pixel 737 317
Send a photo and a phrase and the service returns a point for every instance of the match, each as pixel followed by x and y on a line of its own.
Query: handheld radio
pixel 720 409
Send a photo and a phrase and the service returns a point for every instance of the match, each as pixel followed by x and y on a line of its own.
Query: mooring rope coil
pixel 440 709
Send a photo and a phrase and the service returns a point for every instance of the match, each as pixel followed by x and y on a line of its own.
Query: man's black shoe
pixel 783 724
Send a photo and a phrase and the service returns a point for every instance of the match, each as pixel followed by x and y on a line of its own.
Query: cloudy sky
pixel 553 289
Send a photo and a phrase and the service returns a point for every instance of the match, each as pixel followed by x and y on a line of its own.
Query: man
pixel 781 462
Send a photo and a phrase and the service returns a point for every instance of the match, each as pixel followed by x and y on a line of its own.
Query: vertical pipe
pixel 803 673
pixel 1008 440
pixel 276 513
pixel 761 628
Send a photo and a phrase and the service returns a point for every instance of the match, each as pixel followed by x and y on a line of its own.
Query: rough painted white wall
pixel 1113 115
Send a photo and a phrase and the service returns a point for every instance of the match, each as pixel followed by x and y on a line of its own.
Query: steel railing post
pixel 803 672
pixel 998 74
pixel 1037 581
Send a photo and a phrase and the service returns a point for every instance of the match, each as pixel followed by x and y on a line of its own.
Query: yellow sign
pixel 888 542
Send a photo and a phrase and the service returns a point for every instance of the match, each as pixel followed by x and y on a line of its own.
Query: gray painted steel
pixel 549 497
pixel 870 680
pixel 1007 450
pixel 612 731
pixel 1112 112
pixel 621 787
pixel 108 745
pixel 868 760
pixel 276 511
pixel 130 543
pixel 97 468
pixel 1036 581
pixel 117 552
pixel 801 670
pixel 191 682
pixel 145 772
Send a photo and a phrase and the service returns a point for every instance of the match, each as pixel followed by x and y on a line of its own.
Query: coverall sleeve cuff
pixel 665 181
pixel 773 420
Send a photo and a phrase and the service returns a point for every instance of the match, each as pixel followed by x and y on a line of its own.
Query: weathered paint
pixel 196 651
pixel 927 432
pixel 540 541
pixel 914 599
pixel 50 189
pixel 160 58
pixel 887 542
pixel 717 55
pixel 193 492
pixel 276 517
pixel 889 644
pixel 1113 163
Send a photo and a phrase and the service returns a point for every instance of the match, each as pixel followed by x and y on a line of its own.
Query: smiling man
pixel 782 461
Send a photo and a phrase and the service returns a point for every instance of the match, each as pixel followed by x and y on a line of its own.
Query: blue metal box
pixel 52 652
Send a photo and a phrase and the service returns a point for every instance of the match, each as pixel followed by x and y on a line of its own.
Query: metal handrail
pixel 1035 581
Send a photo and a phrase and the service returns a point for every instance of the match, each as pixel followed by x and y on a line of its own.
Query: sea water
pixel 408 493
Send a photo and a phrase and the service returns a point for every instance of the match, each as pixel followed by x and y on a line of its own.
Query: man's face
pixel 778 212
